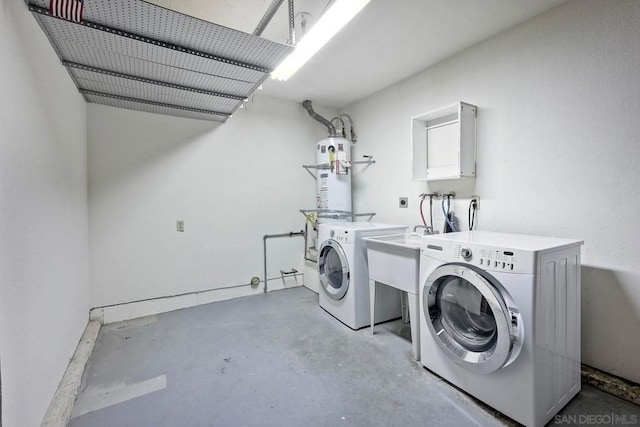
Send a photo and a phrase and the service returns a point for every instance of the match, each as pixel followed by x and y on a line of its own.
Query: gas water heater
pixel 333 164
pixel 333 179
pixel 333 183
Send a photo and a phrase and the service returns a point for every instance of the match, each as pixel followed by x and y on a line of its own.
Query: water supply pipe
pixel 264 244
pixel 330 127
pixel 354 137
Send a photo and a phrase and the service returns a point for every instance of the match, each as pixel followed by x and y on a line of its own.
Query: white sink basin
pixel 409 241
pixel 395 260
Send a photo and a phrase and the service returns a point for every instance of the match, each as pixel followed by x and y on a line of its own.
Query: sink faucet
pixel 427 230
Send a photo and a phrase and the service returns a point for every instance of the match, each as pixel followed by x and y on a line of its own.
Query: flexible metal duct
pixel 332 129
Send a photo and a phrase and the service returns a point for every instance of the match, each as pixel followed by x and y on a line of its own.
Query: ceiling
pixel 126 52
pixel 387 42
pixel 245 15
pixel 391 40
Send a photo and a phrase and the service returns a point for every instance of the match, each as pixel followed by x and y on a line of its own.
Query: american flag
pixel 70 10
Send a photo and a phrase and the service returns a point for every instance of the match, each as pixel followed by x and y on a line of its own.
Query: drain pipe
pixel 332 129
pixel 264 244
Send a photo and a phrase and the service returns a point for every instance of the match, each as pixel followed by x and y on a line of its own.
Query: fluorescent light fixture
pixel 339 13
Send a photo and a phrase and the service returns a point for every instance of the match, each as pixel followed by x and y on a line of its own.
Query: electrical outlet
pixel 180 225
pixel 404 202
pixel 477 198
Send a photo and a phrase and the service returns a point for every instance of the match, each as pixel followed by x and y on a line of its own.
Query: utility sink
pixel 395 260
pixel 410 240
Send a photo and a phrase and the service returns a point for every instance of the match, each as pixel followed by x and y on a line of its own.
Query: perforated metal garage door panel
pixel 162 24
pixel 130 88
pixel 152 48
pixel 113 61
pixel 149 108
pixel 88 46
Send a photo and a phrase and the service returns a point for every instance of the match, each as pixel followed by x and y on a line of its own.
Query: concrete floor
pixel 279 360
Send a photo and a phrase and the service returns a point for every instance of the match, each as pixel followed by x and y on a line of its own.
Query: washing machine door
pixel 469 319
pixel 334 269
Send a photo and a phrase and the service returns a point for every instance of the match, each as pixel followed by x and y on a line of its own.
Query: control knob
pixel 466 253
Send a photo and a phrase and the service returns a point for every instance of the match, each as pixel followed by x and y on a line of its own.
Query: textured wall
pixel 44 266
pixel 231 184
pixel 558 152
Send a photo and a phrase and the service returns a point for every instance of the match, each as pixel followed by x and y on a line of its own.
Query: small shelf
pixel 136 55
pixel 326 166
pixel 335 214
pixel 363 162
pixel 444 143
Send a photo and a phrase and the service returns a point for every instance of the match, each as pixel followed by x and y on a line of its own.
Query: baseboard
pixel 611 384
pixel 59 410
pixel 136 309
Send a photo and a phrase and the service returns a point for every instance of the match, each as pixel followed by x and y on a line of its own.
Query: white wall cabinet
pixel 444 143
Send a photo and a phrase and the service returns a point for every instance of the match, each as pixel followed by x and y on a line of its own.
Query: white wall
pixel 44 267
pixel 558 152
pixel 230 183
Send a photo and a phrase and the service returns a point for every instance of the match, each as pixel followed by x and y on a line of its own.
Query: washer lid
pixel 505 241
pixel 366 225
pixel 469 318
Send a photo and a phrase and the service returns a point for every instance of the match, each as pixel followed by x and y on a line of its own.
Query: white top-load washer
pixel 500 319
pixel 344 274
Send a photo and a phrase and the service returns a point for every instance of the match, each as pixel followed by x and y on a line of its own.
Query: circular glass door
pixel 468 318
pixel 334 270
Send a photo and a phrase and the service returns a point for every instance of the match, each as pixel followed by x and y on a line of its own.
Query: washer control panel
pixel 497 259
pixel 488 259
pixel 341 236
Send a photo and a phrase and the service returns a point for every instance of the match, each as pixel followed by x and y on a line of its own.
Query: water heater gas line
pixel 264 244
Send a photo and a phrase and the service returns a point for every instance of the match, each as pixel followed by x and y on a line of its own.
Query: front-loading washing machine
pixel 500 319
pixel 344 274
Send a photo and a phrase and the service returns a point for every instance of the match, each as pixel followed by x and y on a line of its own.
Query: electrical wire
pixel 472 214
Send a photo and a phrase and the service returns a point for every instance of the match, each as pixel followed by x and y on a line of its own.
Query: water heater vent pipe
pixel 332 129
